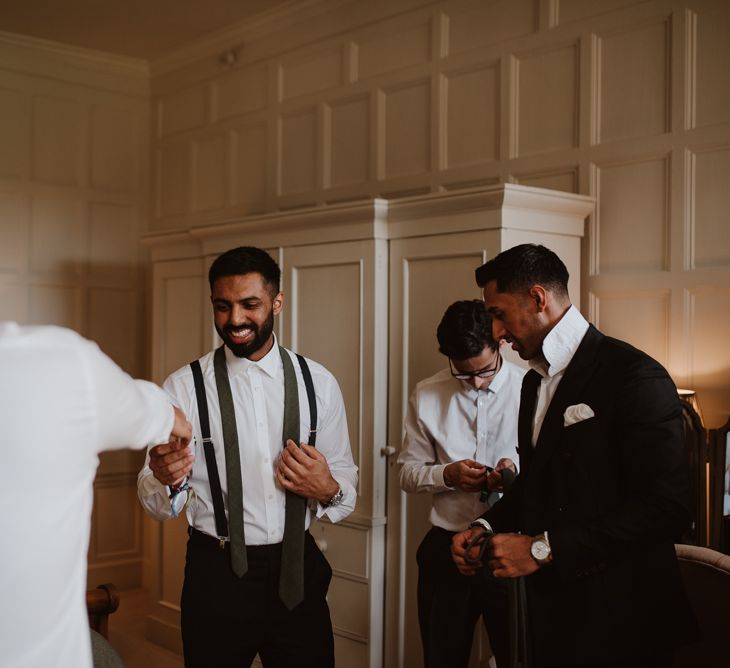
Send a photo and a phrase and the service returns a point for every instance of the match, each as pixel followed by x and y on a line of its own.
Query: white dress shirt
pixel 62 401
pixel 558 349
pixel 258 399
pixel 447 421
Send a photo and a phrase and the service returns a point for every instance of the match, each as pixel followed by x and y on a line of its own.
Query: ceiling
pixel 143 29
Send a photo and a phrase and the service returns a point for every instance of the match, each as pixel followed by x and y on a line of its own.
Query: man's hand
pixel 466 475
pixel 458 550
pixel 494 479
pixel 510 556
pixel 171 462
pixel 304 471
pixel 181 428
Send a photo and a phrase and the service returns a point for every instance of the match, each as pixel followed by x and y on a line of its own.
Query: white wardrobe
pixel 365 286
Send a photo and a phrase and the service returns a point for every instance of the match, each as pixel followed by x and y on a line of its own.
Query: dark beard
pixel 261 336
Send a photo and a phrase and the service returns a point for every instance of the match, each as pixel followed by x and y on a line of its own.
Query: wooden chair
pixel 706 577
pixel 100 603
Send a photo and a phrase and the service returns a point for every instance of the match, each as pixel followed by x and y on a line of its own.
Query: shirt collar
pixel 499 378
pixel 270 363
pixel 560 344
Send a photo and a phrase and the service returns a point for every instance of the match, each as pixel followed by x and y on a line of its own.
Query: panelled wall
pixel 625 100
pixel 73 137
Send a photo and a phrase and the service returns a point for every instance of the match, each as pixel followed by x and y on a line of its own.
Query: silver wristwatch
pixel 336 500
pixel 540 549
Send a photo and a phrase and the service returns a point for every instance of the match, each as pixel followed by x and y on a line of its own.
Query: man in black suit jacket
pixel 604 490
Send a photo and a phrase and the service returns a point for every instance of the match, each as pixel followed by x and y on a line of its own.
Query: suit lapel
pixel 569 390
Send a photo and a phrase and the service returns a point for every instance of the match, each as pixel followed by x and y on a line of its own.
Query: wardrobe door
pixel 427 274
pixel 180 333
pixel 335 312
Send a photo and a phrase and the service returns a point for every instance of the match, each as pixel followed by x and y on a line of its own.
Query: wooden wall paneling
pixel 713 62
pixel 407 128
pixel 15 132
pixel 210 166
pixel 709 329
pixel 298 152
pixel 113 241
pixel 249 167
pixel 241 91
pixel 634 204
pixel 476 24
pixel 710 203
pixel 173 180
pixel 115 549
pixel 113 323
pixel 13 300
pixel 306 73
pixel 58 234
pixel 15 232
pixel 348 142
pixel 114 161
pixel 472 109
pixel 547 79
pixel 640 317
pixel 185 109
pixel 55 305
pixel 59 141
pixel 575 10
pixel 393 45
pixel 635 81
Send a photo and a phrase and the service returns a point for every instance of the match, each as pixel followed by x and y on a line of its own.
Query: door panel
pixel 336 313
pixel 427 275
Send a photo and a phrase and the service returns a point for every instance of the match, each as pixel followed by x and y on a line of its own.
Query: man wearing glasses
pixel 460 432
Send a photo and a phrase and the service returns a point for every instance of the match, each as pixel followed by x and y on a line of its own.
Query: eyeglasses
pixel 486 372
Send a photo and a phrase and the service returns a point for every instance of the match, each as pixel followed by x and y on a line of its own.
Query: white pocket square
pixel 577 413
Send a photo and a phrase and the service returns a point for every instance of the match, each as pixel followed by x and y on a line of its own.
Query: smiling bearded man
pixel 255 581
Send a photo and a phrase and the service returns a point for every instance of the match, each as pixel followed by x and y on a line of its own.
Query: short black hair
pixel 519 268
pixel 465 330
pixel 246 260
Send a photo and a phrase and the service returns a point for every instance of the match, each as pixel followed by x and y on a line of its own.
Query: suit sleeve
pixel 647 482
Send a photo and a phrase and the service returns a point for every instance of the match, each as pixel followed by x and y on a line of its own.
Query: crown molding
pixel 256 28
pixel 46 58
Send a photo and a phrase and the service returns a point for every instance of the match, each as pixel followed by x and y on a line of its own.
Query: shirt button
pixel 271 496
pixel 266 461
pixel 261 424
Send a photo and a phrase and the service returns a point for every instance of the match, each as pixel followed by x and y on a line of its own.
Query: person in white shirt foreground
pixel 62 402
pixel 235 602
pixel 461 423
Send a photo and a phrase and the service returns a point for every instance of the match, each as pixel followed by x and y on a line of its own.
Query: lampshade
pixel 690 397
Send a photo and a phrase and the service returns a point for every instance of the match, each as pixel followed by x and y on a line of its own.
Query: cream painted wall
pixel 625 100
pixel 73 189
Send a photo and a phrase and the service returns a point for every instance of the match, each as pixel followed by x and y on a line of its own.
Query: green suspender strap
pixel 239 561
pixel 291 580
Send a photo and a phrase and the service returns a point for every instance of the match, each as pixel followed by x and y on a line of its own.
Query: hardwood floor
pixel 127 634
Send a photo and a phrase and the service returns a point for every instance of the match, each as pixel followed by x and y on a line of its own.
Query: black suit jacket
pixel 613 493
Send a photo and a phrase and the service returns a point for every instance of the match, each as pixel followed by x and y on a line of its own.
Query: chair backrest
pixel 706 577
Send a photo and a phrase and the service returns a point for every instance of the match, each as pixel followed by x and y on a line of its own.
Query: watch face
pixel 540 550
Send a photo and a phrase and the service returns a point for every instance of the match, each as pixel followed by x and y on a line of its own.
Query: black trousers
pixel 449 605
pixel 227 620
